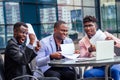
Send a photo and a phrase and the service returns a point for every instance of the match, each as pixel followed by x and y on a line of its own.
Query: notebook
pixel 104 50
pixel 68 50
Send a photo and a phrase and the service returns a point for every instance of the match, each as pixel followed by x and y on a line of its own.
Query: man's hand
pixel 37 46
pixel 92 48
pixel 32 38
pixel 77 51
pixel 110 38
pixel 56 55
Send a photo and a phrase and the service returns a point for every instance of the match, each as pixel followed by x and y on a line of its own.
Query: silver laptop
pixel 104 50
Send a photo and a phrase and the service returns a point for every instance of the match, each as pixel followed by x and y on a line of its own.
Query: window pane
pixel 9 32
pixel 48 1
pixel 47 19
pixel 88 2
pixel 46 29
pixel 48 15
pixel 1 13
pixel 69 15
pixel 73 16
pixel 64 13
pixel 2 36
pixel 30 1
pixel 108 15
pixel 69 2
pixel 89 11
pixel 12 12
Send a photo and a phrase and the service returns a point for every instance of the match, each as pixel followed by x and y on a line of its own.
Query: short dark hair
pixel 89 19
pixel 19 24
pixel 58 23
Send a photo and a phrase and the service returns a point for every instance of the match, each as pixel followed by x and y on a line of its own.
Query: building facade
pixel 42 14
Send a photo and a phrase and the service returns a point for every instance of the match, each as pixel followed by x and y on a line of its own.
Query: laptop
pixel 104 50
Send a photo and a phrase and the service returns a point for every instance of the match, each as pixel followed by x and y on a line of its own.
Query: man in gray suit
pixel 18 55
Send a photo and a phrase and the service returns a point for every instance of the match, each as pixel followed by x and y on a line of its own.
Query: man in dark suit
pixel 17 54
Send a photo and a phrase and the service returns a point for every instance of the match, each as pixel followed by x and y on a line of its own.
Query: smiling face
pixel 90 28
pixel 61 32
pixel 20 34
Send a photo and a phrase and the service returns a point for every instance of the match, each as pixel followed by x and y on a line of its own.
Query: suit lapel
pixel 52 44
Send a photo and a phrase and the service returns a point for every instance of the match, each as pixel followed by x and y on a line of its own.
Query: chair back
pixel 25 77
pixel 117 51
pixel 1 67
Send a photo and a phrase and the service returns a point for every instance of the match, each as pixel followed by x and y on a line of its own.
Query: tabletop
pixel 77 63
pixel 74 63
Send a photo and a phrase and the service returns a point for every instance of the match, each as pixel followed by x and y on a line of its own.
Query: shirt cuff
pixel 30 46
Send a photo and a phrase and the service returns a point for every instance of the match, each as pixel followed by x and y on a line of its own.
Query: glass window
pixel 9 32
pixel 46 29
pixel 69 2
pixel 47 19
pixel 2 28
pixel 1 13
pixel 88 2
pixel 12 16
pixel 12 12
pixel 89 11
pixel 48 15
pixel 30 1
pixel 108 15
pixel 71 15
pixel 48 1
pixel 77 2
pixel 118 18
pixel 29 13
pixel 2 36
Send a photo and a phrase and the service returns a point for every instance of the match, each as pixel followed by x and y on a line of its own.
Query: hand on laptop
pixel 110 38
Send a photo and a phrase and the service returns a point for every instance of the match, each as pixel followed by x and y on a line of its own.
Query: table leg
pixel 106 72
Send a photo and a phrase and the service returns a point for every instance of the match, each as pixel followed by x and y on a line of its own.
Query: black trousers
pixel 63 73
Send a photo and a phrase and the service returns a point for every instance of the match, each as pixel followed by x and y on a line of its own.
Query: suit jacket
pixel 48 47
pixel 17 58
pixel 84 44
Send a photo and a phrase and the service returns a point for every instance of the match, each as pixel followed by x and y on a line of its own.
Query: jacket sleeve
pixel 42 55
pixel 83 49
pixel 23 56
pixel 117 40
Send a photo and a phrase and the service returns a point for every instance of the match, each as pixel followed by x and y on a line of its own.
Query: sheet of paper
pixel 71 56
pixel 30 30
pixel 68 51
pixel 99 36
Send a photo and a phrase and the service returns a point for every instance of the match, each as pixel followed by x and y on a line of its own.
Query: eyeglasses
pixel 90 25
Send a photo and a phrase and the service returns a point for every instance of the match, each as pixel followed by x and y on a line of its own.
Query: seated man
pixel 50 49
pixel 18 55
pixel 90 27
